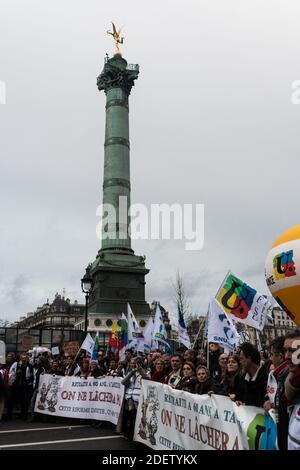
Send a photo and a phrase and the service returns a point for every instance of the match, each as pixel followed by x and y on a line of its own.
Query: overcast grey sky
pixel 211 122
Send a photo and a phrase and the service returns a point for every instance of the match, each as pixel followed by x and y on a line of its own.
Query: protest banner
pixel 71 348
pixel 169 419
pixel 55 351
pixel 27 342
pixel 76 397
pixel 2 352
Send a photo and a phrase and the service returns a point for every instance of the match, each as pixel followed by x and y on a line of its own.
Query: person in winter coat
pixel 189 379
pixel 205 384
pixel 132 382
pixel 21 377
pixel 39 369
pixel 159 373
pixel 292 387
pixel 253 385
pixel 276 398
pixel 3 388
pixel 231 378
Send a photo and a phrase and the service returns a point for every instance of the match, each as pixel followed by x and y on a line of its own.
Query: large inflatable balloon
pixel 283 272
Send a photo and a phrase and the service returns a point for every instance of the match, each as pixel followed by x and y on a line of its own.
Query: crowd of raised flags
pixel 128 335
pixel 235 307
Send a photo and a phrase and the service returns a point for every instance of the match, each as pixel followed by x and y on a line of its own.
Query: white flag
pixel 183 336
pixel 220 328
pixel 88 344
pixel 134 332
pixel 148 336
pixel 159 330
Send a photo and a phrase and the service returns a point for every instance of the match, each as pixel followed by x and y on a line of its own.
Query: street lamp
pixel 86 287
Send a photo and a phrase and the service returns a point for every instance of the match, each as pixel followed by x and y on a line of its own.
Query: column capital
pixel 117 74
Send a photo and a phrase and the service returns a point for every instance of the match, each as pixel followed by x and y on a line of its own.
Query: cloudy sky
pixel 211 122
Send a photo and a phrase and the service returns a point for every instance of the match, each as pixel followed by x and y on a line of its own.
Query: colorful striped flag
pixel 113 340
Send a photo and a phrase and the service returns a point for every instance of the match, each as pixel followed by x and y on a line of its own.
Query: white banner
pixel 169 419
pixel 75 397
pixel 2 352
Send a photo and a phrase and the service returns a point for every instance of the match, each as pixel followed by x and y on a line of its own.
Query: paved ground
pixel 20 435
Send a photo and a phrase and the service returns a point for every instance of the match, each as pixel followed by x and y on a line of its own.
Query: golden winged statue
pixel 117 38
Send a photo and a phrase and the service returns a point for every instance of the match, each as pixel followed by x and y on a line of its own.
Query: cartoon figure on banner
pixel 48 395
pixel 148 427
pixel 52 401
pixel 282 272
pixel 43 396
pixel 143 424
pixel 153 424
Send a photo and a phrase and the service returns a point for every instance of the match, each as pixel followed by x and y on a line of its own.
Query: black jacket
pixel 229 387
pixel 202 388
pixel 253 392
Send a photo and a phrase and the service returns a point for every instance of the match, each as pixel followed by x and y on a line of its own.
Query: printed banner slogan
pixel 177 420
pixel 76 397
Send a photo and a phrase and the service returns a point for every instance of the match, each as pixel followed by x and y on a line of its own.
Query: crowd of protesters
pixel 269 380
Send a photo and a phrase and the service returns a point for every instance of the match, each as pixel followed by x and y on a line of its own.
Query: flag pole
pixel 228 272
pixel 199 329
pixel 207 355
pixel 74 361
pixel 207 342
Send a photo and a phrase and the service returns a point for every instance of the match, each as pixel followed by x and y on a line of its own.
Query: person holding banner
pixel 3 376
pixel 252 388
pixel 38 370
pixel 205 384
pixel 231 377
pixel 95 370
pixel 132 382
pixel 71 367
pixel 189 379
pixel 276 393
pixel 159 374
pixel 292 387
pixel 214 366
pixel 55 368
pixel 175 376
